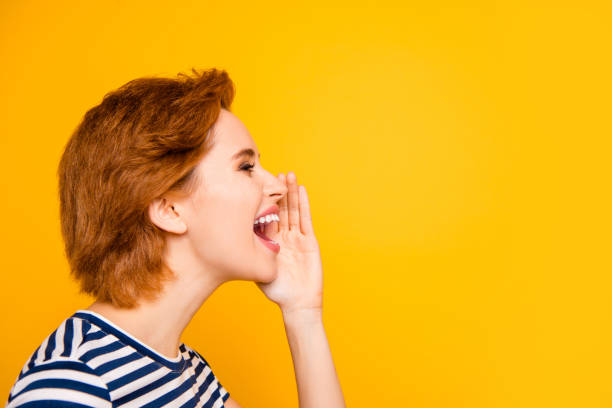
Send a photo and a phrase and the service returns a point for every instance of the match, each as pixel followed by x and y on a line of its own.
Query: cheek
pixel 224 222
pixel 222 244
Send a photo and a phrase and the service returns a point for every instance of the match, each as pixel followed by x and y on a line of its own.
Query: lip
pixel 274 247
pixel 272 210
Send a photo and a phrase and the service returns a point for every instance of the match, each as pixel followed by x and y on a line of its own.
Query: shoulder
pixel 193 353
pixel 59 382
pixel 56 376
pixel 204 374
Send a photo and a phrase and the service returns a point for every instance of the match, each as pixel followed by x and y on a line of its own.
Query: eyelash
pixel 248 167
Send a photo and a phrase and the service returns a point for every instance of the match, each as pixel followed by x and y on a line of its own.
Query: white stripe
pixel 138 383
pixel 62 395
pixel 94 344
pixel 205 397
pixel 77 335
pixel 211 388
pixel 183 398
pixel 202 376
pixel 218 403
pixel 113 355
pixel 160 391
pixel 41 351
pixel 26 367
pixel 59 340
pixel 92 328
pixel 57 373
pixel 125 369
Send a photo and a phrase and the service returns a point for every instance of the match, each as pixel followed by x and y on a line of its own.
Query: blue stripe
pixel 199 368
pixel 204 386
pixel 214 396
pixel 31 362
pixel 50 346
pixel 190 404
pixel 85 326
pixel 133 376
pixel 116 345
pixel 111 365
pixel 97 335
pixel 202 358
pixel 52 404
pixel 172 365
pixel 68 338
pixel 66 384
pixel 193 380
pixel 170 396
pixel 146 389
pixel 209 379
pixel 62 365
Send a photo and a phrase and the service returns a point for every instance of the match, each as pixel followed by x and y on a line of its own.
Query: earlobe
pixel 165 216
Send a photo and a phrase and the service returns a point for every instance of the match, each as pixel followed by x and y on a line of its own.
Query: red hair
pixel 142 141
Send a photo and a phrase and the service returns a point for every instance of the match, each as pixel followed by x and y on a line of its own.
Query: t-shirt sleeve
pixel 222 391
pixel 59 384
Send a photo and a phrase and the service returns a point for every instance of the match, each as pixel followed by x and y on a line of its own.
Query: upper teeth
pixel 268 218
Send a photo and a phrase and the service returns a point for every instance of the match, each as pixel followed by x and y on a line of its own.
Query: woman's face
pixel 231 195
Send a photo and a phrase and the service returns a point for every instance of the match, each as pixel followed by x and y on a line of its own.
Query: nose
pixel 275 188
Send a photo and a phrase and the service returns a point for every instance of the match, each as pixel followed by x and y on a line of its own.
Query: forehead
pixel 230 136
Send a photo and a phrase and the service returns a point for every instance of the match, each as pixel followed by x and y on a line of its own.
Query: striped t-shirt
pixel 88 361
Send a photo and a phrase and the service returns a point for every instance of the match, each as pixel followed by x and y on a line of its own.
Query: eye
pixel 248 167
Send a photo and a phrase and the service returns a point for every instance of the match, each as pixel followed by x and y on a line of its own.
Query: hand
pixel 299 283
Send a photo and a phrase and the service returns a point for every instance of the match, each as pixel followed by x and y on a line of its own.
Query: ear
pixel 165 215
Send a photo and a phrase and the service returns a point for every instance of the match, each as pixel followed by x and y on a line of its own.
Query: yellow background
pixel 456 156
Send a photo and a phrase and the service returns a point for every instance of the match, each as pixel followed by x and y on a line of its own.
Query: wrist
pixel 302 315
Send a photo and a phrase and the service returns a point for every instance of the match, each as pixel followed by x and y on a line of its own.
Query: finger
pixel 294 211
pixel 305 217
pixel 275 225
pixel 282 207
pixel 271 229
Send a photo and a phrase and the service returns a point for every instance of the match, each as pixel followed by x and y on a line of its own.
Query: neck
pixel 159 324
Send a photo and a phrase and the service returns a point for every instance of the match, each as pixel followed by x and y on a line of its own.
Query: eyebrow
pixel 245 152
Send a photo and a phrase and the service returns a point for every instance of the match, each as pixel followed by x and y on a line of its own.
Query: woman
pixel 162 200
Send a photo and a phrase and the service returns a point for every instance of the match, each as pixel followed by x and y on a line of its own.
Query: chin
pixel 267 276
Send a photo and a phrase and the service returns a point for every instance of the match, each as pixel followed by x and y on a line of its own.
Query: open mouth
pixel 264 219
pixel 259 226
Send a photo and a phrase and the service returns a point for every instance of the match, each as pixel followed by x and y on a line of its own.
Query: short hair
pixel 142 141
